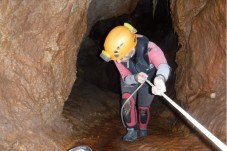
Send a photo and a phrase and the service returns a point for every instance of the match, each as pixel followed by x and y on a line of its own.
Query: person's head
pixel 120 43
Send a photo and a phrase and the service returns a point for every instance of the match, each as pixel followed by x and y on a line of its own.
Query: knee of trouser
pixel 127 105
pixel 125 96
pixel 129 110
pixel 144 114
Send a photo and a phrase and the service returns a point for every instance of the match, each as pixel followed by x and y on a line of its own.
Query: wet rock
pixel 38 48
pixel 202 61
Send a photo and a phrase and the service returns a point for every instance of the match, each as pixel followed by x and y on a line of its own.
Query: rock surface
pixel 38 48
pixel 201 72
pixel 39 41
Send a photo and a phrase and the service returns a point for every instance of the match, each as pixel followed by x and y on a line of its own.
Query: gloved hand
pixel 160 86
pixel 141 77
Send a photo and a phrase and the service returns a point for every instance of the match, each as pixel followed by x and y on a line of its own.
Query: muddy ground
pixel 96 123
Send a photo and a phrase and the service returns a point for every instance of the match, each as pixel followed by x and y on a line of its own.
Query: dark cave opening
pixel 158 28
pixel 98 80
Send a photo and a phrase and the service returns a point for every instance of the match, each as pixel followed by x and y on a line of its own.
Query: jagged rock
pixel 201 72
pixel 38 47
pixel 39 42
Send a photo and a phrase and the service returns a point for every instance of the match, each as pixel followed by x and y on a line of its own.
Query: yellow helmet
pixel 119 42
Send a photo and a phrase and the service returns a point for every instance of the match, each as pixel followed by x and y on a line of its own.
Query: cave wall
pixel 201 71
pixel 38 47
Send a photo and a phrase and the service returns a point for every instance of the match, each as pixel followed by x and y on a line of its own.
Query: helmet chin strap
pixel 133 52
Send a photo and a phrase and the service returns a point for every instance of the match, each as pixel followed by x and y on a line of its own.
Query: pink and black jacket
pixel 148 58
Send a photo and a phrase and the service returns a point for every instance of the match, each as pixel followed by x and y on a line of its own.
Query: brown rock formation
pixel 201 72
pixel 38 48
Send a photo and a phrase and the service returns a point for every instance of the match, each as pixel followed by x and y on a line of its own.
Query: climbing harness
pixel 202 129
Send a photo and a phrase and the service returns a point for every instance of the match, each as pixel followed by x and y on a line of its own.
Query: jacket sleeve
pixel 127 77
pixel 157 57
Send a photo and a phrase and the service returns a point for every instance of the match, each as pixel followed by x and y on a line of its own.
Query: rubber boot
pixel 131 135
pixel 143 133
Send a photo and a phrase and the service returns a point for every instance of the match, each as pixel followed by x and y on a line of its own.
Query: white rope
pixel 213 138
pixel 207 133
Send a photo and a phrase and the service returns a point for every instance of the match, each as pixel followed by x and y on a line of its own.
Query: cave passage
pixel 93 105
